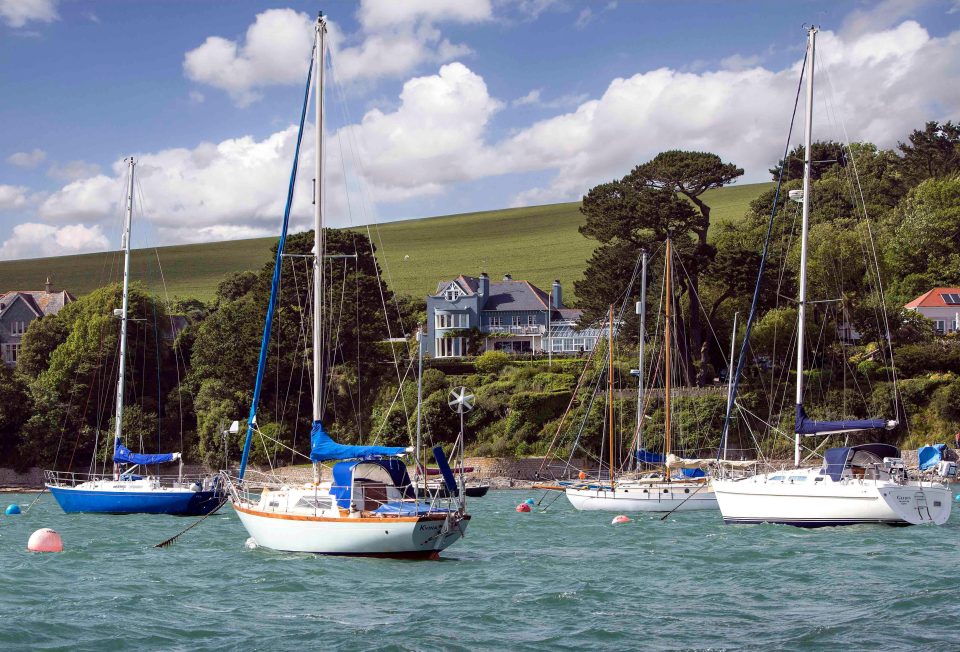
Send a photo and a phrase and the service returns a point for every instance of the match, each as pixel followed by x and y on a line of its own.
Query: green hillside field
pixel 537 243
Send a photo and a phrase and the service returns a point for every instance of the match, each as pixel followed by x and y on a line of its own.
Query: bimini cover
pixel 343 472
pixel 648 457
pixel 807 426
pixel 836 460
pixel 123 455
pixel 322 448
pixel 930 456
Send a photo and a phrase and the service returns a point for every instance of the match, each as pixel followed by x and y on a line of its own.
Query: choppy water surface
pixel 539 581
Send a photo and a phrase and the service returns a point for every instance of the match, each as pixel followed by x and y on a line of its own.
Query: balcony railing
pixel 535 329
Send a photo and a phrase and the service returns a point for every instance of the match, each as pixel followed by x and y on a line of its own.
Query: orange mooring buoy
pixel 45 540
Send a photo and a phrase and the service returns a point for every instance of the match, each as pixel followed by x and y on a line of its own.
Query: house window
pixel 453 293
pixel 18 327
pixel 556 345
pixel 494 320
pixel 515 320
pixel 531 320
pixel 451 320
pixel 10 353
pixel 939 326
pixel 449 347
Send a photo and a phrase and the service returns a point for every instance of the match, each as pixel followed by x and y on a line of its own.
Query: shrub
pixel 491 362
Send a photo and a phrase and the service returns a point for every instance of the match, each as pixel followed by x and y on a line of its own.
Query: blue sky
pixel 440 106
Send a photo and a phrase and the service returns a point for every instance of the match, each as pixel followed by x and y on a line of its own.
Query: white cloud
pixel 878 16
pixel 29 159
pixel 197 97
pixel 17 13
pixel 12 197
pixel 275 42
pixel 740 61
pixel 584 18
pixel 884 84
pixel 394 39
pixel 533 97
pixel 33 240
pixel 880 84
pixel 73 170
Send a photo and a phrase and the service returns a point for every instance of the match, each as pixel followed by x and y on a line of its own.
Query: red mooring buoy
pixel 45 540
pixel 523 507
pixel 620 519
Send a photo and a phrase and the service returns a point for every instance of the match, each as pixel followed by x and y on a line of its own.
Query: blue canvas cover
pixel 342 486
pixel 647 457
pixel 693 473
pixel 835 460
pixel 930 456
pixel 123 455
pixel 807 426
pixel 323 448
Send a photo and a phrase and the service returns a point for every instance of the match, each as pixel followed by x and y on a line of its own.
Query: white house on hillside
pixel 941 306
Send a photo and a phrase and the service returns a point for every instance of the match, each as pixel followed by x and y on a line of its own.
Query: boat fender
pixel 45 540
pixel 523 507
pixel 250 544
pixel 12 509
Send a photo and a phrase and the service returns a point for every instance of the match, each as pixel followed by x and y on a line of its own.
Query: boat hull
pixel 681 497
pixel 75 500
pixel 414 536
pixel 753 501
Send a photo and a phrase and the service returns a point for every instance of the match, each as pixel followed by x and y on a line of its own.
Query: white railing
pixel 536 329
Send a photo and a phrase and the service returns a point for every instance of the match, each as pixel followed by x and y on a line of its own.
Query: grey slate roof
pixel 41 302
pixel 515 295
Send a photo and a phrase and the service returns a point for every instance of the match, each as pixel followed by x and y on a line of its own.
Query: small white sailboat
pixel 654 492
pixel 856 484
pixel 369 506
pixel 130 491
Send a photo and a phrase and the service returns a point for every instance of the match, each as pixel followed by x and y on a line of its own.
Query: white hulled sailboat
pixel 369 506
pixel 657 492
pixel 856 484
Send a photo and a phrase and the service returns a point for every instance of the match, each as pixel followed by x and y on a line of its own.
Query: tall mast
pixel 733 345
pixel 642 309
pixel 121 377
pixel 667 300
pixel 610 388
pixel 804 228
pixel 319 58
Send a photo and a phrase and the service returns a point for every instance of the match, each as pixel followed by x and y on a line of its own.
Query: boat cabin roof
pixel 838 460
pixel 389 472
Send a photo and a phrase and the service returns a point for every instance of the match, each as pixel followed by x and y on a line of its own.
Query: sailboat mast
pixel 733 347
pixel 319 57
pixel 610 387
pixel 121 377
pixel 667 300
pixel 642 309
pixel 804 228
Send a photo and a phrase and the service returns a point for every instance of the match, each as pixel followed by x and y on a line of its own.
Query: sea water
pixel 547 580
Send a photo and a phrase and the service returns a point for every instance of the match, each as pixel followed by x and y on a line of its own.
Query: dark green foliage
pixel 930 357
pixel 931 152
pixel 826 155
pixel 15 409
pixel 491 362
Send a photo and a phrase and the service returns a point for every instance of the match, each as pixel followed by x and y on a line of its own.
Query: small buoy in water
pixel 251 544
pixel 523 507
pixel 45 540
pixel 530 501
pixel 957 498
pixel 620 519
pixel 12 509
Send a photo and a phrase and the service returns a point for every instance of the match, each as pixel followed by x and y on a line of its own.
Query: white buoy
pixel 620 519
pixel 251 544
pixel 45 540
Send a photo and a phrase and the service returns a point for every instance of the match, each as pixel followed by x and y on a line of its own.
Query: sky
pixel 434 106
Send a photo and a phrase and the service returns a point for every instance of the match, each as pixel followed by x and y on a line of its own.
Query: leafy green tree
pixel 15 408
pixel 931 152
pixel 827 154
pixel 925 233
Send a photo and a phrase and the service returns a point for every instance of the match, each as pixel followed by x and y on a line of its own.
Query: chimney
pixel 48 287
pixel 507 277
pixel 484 289
pixel 557 294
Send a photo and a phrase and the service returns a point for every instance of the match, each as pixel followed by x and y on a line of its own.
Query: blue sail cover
pixel 647 457
pixel 123 455
pixel 807 426
pixel 930 456
pixel 322 448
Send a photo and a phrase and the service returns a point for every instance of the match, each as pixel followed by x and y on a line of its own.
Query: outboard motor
pixel 946 469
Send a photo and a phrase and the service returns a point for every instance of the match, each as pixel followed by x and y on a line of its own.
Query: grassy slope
pixel 538 243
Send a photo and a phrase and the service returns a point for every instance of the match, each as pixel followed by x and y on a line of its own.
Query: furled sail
pixel 649 457
pixel 323 448
pixel 123 455
pixel 807 426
